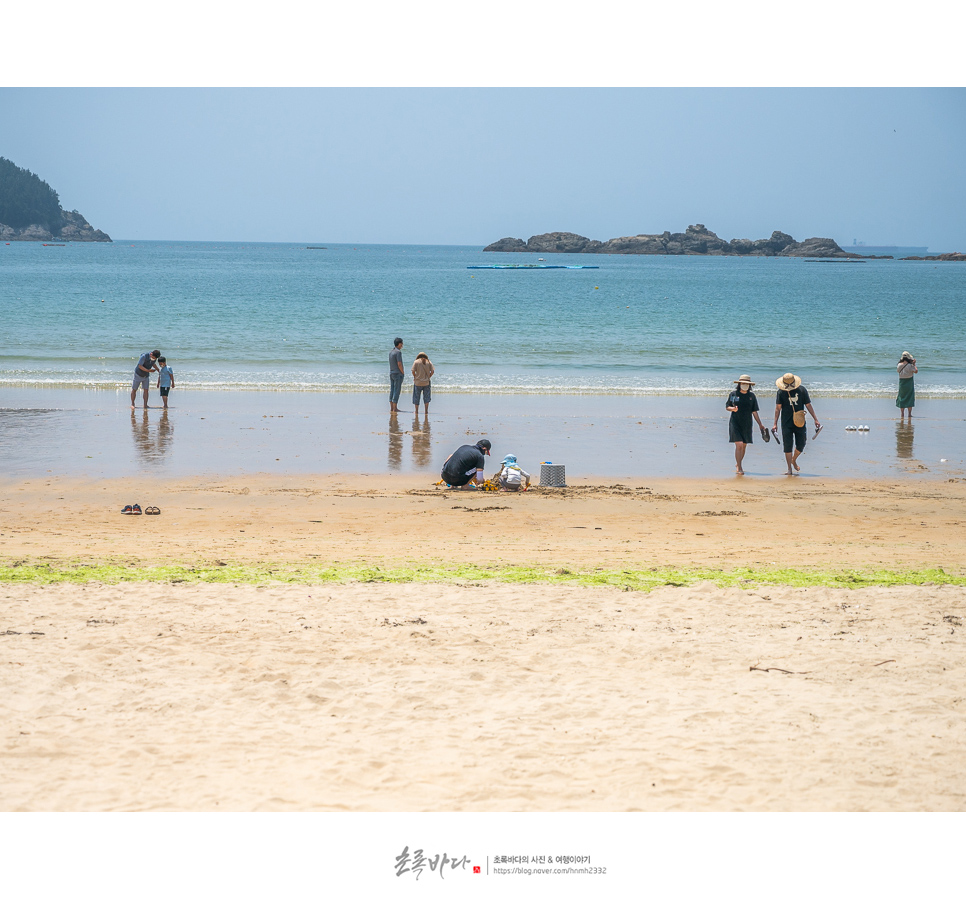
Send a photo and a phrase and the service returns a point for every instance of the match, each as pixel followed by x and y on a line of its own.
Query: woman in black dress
pixel 743 406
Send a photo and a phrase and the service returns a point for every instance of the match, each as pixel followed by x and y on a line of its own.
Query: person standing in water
pixel 907 385
pixel 422 371
pixel 396 374
pixel 145 367
pixel 165 379
pixel 743 406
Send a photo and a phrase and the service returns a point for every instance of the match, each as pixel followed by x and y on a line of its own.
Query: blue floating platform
pixel 530 265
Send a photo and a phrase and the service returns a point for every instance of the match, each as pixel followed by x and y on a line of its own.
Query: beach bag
pixel 798 416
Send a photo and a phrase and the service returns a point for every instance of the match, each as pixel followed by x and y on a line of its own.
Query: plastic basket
pixel 553 474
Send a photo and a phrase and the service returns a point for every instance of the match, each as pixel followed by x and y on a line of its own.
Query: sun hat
pixel 484 445
pixel 788 382
pixel 510 460
pixel 906 357
pixel 744 378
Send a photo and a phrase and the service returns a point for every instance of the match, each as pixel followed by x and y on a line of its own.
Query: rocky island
pixel 30 211
pixel 696 240
pixel 942 257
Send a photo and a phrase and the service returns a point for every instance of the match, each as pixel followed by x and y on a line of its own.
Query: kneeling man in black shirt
pixel 461 465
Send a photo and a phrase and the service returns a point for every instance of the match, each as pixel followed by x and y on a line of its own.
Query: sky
pixel 468 164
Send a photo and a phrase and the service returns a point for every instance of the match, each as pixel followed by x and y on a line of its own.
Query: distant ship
pixel 890 250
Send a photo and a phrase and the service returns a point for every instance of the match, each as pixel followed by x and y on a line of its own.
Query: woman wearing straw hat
pixel 790 404
pixel 743 406
pixel 907 386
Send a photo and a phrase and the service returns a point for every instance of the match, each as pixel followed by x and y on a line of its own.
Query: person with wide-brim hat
pixel 907 386
pixel 743 406
pixel 790 405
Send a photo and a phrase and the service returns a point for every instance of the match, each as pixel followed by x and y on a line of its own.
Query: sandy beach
pixel 394 519
pixel 416 697
pixel 478 696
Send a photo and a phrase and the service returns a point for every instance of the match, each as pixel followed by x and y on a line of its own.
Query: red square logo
pixel 476 870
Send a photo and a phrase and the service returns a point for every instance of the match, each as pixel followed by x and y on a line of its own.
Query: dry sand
pixel 495 697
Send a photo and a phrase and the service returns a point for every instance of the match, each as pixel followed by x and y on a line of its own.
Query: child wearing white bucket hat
pixel 511 476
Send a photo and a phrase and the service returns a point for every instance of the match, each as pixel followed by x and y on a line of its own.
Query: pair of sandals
pixel 136 509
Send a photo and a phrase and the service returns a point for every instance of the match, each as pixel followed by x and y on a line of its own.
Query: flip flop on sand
pixel 136 509
pixel 127 509
pixel 152 509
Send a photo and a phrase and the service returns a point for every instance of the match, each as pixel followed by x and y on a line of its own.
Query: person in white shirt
pixel 907 385
pixel 512 477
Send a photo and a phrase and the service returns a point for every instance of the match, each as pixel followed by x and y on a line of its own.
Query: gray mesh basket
pixel 553 474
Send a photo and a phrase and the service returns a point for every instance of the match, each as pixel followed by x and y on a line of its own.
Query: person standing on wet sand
pixel 422 371
pixel 907 385
pixel 743 406
pixel 165 379
pixel 142 374
pixel 790 404
pixel 396 374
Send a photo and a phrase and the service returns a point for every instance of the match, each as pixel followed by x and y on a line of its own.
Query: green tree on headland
pixel 26 199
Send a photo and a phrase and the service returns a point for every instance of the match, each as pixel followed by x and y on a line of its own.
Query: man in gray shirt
pixel 142 374
pixel 396 374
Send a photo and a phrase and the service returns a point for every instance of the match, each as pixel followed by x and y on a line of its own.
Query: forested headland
pixel 30 210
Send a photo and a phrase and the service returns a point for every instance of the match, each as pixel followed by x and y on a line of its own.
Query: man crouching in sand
pixel 462 465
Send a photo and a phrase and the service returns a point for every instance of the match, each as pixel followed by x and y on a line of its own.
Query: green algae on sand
pixel 115 572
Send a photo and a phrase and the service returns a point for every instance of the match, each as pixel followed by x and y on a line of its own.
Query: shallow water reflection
pixel 395 442
pixel 152 440
pixel 905 434
pixel 70 432
pixel 422 443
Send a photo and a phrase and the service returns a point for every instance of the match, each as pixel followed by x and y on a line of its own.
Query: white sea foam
pixel 500 387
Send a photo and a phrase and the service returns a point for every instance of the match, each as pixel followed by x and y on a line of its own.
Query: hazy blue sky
pixel 471 165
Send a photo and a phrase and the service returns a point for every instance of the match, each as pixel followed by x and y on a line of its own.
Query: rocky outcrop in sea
pixel 75 229
pixel 942 257
pixel 696 240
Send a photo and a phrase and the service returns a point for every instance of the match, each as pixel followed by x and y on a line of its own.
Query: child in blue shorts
pixel 165 380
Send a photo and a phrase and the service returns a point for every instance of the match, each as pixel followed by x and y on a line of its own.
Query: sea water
pixel 280 354
pixel 294 317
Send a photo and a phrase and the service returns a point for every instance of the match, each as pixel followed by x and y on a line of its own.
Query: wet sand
pixel 94 433
pixel 397 519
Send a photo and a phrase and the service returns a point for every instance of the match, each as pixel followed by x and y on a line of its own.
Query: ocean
pixel 287 317
pixel 280 354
